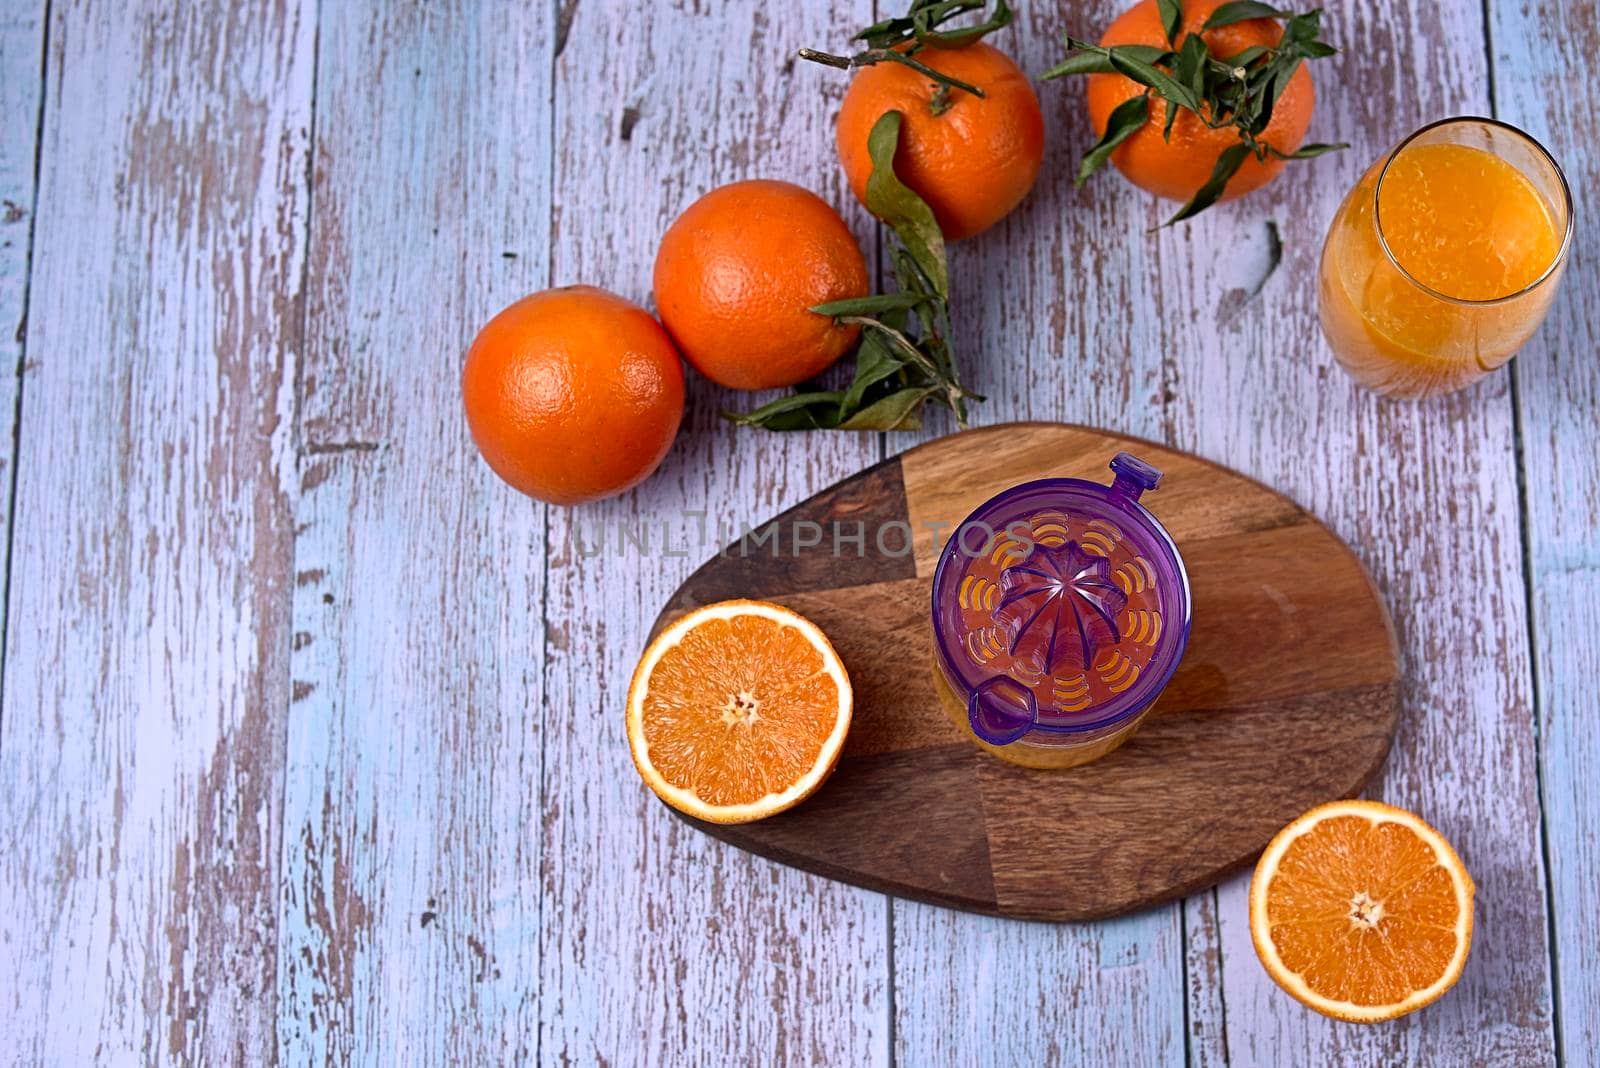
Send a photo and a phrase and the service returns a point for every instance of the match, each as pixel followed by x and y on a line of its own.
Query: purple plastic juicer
pixel 1060 610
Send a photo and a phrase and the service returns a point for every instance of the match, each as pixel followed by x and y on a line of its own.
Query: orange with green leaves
pixel 1199 100
pixel 972 137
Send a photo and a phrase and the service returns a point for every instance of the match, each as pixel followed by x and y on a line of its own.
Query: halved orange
pixel 738 711
pixel 1361 911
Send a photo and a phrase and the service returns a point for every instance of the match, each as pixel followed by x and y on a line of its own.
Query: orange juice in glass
pixel 1444 258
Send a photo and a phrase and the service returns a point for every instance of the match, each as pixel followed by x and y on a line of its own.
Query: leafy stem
pixel 898 40
pixel 954 393
pixel 903 357
pixel 887 55
pixel 1238 92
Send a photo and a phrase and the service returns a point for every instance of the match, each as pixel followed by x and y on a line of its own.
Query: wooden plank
pixel 410 886
pixel 1206 1031
pixel 21 90
pixel 1055 320
pixel 145 696
pixel 1427 495
pixel 659 944
pixel 1535 51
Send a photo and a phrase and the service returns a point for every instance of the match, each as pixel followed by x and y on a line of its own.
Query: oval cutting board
pixel 1286 697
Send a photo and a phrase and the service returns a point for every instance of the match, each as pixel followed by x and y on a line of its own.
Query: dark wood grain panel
pixel 877 813
pixel 854 544
pixel 1287 697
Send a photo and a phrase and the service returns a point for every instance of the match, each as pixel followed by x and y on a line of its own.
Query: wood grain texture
pixel 21 91
pixel 1206 1031
pixel 1426 493
pixel 469 867
pixel 1056 315
pixel 1539 52
pixel 411 870
pixel 660 945
pixel 1285 697
pixel 145 693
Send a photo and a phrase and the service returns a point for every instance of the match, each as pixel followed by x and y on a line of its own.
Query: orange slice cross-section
pixel 1361 911
pixel 738 711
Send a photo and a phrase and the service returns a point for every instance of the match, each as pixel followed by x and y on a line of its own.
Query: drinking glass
pixel 1457 218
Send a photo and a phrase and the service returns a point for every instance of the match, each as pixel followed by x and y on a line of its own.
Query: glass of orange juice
pixel 1444 258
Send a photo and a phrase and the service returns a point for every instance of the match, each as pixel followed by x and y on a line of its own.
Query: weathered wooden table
pixel 312 741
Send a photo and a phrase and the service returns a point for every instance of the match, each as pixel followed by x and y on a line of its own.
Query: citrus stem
pixel 880 55
pixel 827 59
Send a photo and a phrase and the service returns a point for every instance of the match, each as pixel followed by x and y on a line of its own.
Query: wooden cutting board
pixel 1286 697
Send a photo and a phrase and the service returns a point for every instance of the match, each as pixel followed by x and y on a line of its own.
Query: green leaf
pixel 901 209
pixel 1193 60
pixel 897 411
pixel 878 35
pixel 1239 11
pixel 901 28
pixel 1171 18
pixel 882 34
pixel 1303 29
pixel 1128 119
pixel 902 346
pixel 874 363
pixel 1281 74
pixel 817 417
pixel 1098 61
pixel 1148 74
pixel 797 411
pixel 933 14
pixel 1248 56
pixel 1228 164
pixel 873 305
pixel 921 23
pixel 909 277
pixel 1311 151
pixel 939 353
pixel 932 316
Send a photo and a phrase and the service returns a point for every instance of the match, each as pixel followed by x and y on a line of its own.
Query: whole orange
pixel 971 158
pixel 737 273
pixel 1179 167
pixel 573 394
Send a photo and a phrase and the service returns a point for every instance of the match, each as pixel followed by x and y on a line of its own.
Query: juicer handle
pixel 1134 476
pixel 1001 710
